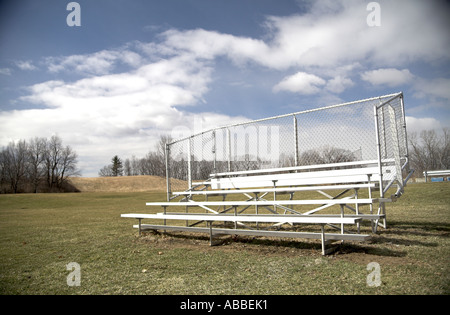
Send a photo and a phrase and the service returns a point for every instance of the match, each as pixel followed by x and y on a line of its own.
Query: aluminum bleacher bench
pixel 257 184
pixel 326 238
pixel 262 182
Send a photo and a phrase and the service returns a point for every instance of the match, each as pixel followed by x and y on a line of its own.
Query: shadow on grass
pixel 398 233
pixel 275 246
pixel 380 239
pixel 411 233
pixel 419 228
pixel 369 249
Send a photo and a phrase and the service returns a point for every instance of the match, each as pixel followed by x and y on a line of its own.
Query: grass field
pixel 41 233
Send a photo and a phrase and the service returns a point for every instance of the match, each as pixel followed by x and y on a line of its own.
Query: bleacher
pixel 328 202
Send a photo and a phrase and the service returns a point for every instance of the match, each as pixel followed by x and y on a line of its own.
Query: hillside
pixel 119 184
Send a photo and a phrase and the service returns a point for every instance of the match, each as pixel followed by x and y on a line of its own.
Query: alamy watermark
pixel 74 277
pixel 234 142
pixel 374 17
pixel 74 17
pixel 374 277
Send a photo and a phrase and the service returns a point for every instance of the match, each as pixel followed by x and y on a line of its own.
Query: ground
pixel 40 234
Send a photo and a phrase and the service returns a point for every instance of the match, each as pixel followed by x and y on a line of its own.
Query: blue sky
pixel 135 70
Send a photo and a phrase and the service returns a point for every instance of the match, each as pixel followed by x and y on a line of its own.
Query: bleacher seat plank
pixel 247 218
pixel 346 165
pixel 276 190
pixel 269 203
pixel 357 175
pixel 288 234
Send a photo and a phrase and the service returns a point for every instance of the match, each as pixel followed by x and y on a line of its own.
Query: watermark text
pixel 74 17
pixel 374 17
pixel 74 277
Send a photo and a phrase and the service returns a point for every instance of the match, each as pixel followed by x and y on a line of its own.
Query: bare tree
pixel 160 156
pixel 36 157
pixel 3 172
pixel 28 166
pixel 161 145
pixel 68 166
pixel 60 163
pixel 52 157
pixel 14 161
pixel 135 165
pixel 127 168
pixel 336 155
pixel 311 157
pixel 429 151
pixel 105 171
pixel 153 164
pixel 326 155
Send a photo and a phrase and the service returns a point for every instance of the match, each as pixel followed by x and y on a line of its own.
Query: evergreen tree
pixel 117 166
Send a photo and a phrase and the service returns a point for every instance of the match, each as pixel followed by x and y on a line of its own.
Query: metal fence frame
pixel 378 124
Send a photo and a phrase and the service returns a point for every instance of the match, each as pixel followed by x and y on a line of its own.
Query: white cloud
pixel 98 63
pixel 205 44
pixel 301 82
pixel 5 71
pixel 109 114
pixel 390 77
pixel 436 87
pixel 306 83
pixel 414 124
pixel 26 65
pixel 333 33
pixel 338 84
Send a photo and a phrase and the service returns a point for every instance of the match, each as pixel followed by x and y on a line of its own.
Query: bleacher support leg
pixel 210 233
pixel 322 238
pixel 326 251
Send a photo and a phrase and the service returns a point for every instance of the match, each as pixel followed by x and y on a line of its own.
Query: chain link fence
pixel 391 132
pixel 356 131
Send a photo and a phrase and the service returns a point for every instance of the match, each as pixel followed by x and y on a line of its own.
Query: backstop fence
pixel 370 129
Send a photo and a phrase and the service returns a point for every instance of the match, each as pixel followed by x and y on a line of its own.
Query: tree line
pixel 44 165
pixel 153 163
pixel 37 165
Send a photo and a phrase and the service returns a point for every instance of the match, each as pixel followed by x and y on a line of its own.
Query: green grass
pixel 40 234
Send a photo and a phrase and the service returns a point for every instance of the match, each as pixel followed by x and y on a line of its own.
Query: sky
pixel 131 71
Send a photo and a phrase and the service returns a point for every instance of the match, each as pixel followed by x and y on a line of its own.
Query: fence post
pixel 377 133
pixel 402 106
pixel 296 141
pixel 190 163
pixel 214 152
pixel 395 144
pixel 167 153
pixel 229 149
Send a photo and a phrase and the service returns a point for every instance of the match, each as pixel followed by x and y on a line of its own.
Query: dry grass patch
pixel 140 183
